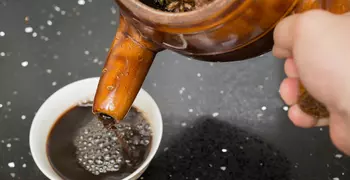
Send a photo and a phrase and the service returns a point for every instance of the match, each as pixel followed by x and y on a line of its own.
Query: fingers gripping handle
pixel 307 103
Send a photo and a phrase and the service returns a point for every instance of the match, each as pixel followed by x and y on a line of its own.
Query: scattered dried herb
pixel 311 106
pixel 176 5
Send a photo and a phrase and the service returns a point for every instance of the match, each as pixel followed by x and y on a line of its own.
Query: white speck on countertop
pixel 221 92
pixel 49 71
pixel 55 56
pixel 2 33
pixel 224 150
pixel 259 115
pixel 63 12
pixel 223 168
pixel 190 110
pixel 154 84
pixel 23 117
pixel 113 22
pixel 199 75
pixel 95 60
pixel 24 165
pixel 183 124
pixel 49 22
pixel 263 108
pixel 1 105
pixel 13 175
pixel 241 147
pixel 86 52
pixel 321 129
pixel 28 29
pixel 89 32
pixel 166 149
pixel 81 2
pixel 24 63
pixel 296 165
pixel 35 34
pixel 58 33
pixel 11 164
pixel 57 8
pixel 182 90
pixel 285 108
pixel 338 156
pixel 215 114
pixel 189 97
pixel 113 10
pixel 343 173
pixel 336 178
pixel 54 83
pixel 2 54
pixel 69 73
pixel 8 145
pixel 8 103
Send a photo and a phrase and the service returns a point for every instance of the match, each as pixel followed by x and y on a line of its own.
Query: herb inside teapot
pixel 176 5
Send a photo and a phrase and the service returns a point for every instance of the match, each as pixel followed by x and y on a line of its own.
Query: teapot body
pixel 243 29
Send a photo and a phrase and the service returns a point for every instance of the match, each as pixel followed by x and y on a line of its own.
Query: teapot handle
pixel 307 103
pixel 126 67
pixel 333 6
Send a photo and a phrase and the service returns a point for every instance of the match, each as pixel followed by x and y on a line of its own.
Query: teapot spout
pixel 126 67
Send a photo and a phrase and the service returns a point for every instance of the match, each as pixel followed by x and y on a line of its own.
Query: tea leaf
pixel 172 6
pixel 180 5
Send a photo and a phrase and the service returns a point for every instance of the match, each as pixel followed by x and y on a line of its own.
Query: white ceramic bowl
pixel 71 95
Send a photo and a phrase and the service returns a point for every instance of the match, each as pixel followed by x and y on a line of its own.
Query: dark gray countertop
pixel 221 121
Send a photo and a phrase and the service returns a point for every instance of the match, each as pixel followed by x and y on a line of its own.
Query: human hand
pixel 316 46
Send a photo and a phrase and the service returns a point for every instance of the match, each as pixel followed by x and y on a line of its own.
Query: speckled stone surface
pixel 221 121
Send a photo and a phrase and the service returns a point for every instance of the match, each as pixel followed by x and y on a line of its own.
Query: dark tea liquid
pixel 80 147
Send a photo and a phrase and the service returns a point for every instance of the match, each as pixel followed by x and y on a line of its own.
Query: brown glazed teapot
pixel 224 30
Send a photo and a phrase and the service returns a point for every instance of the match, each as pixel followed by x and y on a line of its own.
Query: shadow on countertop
pixel 215 150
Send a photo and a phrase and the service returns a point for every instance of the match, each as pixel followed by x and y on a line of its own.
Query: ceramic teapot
pixel 223 30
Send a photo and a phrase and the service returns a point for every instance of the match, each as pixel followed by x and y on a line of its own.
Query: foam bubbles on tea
pixel 98 150
pixel 81 147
